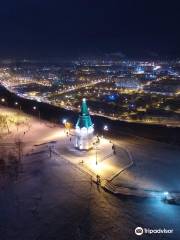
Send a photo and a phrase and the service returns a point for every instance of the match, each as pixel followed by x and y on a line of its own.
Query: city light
pixel 90 120
pixel 115 89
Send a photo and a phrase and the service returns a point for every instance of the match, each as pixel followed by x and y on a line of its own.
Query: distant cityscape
pixel 133 91
pixel 90 120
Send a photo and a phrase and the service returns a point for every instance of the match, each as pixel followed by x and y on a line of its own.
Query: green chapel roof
pixel 84 119
pixel 84 108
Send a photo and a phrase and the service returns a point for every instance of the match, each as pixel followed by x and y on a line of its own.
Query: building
pixel 127 82
pixel 84 129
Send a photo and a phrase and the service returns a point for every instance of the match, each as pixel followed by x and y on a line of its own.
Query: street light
pixel 105 128
pixel 96 156
pixel 96 147
pixel 17 104
pixel 39 114
pixel 67 125
pixel 3 100
pixel 64 121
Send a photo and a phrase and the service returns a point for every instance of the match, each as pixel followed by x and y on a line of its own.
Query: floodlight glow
pixel 64 121
pixel 156 68
pixel 106 128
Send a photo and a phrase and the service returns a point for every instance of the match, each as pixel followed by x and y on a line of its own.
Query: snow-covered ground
pixel 100 160
pixel 46 197
pixel 156 165
pixel 28 130
pixel 50 199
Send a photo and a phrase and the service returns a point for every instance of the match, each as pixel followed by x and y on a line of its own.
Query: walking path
pixel 108 166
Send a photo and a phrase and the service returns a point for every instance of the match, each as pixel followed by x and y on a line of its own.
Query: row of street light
pixel 3 101
pixel 64 121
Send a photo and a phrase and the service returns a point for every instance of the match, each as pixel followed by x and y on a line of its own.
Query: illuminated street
pixel 131 91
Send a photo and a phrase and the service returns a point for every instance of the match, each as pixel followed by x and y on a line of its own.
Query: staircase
pixel 108 185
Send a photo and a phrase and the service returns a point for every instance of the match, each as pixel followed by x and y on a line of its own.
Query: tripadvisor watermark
pixel 140 231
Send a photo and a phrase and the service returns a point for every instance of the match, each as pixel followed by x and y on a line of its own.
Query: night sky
pixel 135 28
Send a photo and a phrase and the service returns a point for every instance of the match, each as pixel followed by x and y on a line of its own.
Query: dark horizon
pixel 136 29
